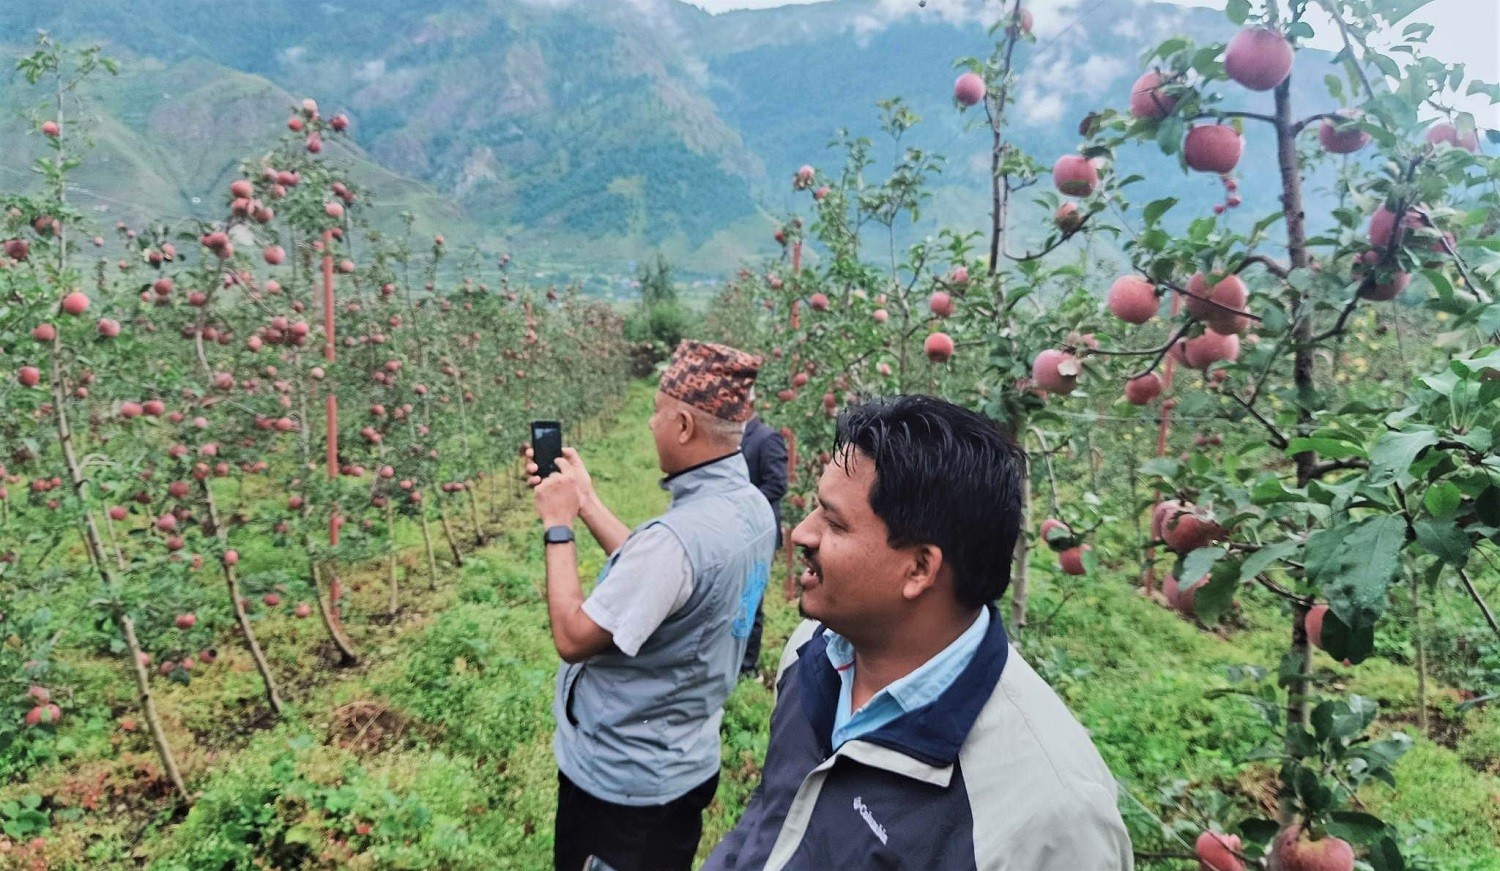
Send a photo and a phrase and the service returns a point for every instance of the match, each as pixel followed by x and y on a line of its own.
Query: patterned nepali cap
pixel 712 378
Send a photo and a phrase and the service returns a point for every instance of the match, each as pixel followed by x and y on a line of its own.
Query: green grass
pixel 436 753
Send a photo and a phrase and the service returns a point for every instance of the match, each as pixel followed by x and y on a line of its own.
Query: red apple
pixel 186 621
pixel 51 128
pixel 1294 851
pixel 1258 58
pixel 1143 389
pixel 969 89
pixel 1218 852
pixel 1071 560
pixel 1212 148
pixel 1055 371
pixel 818 302
pixel 941 304
pixel 1047 526
pixel 1313 623
pixel 1075 176
pixel 44 332
pixel 1229 292
pixel 75 303
pixel 938 347
pixel 43 715
pixel 1067 218
pixel 1021 24
pixel 1347 140
pixel 28 376
pixel 1447 134
pixel 1147 100
pixel 1210 348
pixel 1189 530
pixel 1132 300
pixel 109 328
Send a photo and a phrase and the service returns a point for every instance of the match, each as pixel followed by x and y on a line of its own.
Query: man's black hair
pixel 945 476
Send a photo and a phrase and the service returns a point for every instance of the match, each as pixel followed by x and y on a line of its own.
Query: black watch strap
pixel 558 535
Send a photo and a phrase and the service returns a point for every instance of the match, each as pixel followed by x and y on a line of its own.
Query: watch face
pixel 558 535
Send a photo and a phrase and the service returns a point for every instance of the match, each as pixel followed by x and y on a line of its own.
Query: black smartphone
pixel 546 445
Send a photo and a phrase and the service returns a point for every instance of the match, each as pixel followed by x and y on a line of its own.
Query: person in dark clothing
pixel 765 453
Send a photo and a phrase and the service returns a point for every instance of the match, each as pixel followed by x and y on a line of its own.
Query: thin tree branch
pixel 1277 269
pixel 1164 349
pixel 1489 615
pixel 1253 116
pixel 1326 467
pixel 1218 305
pixel 1277 439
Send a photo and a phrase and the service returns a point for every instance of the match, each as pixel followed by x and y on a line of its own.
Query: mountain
pixel 585 133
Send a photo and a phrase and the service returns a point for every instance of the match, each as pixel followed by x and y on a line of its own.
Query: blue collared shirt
pixel 907 694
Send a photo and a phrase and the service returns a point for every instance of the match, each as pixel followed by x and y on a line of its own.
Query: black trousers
pixel 660 837
pixel 752 647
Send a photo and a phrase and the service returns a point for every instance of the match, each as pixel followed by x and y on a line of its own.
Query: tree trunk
pixel 242 621
pixel 1298 705
pixel 390 522
pixel 1022 573
pixel 1420 637
pixel 458 556
pixel 95 546
pixel 479 537
pixel 148 706
pixel 431 553
pixel 328 613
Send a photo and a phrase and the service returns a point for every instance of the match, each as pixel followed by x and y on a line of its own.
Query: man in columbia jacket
pixel 908 732
pixel 652 653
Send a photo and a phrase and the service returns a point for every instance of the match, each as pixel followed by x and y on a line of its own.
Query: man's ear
pixel 925 563
pixel 686 425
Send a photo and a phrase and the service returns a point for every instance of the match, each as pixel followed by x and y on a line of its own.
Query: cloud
pixel 1041 109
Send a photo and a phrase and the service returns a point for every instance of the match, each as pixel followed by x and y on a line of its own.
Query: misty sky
pixel 1465 31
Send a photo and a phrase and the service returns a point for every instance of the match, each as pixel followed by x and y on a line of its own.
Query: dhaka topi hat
pixel 715 379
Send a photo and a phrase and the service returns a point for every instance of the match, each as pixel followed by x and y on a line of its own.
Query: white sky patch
pixel 1041 109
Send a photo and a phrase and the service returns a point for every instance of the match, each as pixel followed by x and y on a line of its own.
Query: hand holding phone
pixel 546 445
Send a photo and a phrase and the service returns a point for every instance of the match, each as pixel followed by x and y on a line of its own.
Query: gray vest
pixel 644 730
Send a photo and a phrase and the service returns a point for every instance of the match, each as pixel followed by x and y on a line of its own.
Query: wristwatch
pixel 558 535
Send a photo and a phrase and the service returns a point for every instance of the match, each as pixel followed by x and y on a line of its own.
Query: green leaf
pixel 1156 208
pixel 1394 453
pixel 1216 596
pixel 1442 499
pixel 1258 830
pixel 1360 828
pixel 1328 446
pixel 1262 559
pixel 1237 11
pixel 1201 561
pixel 1353 564
pixel 1445 540
pixel 1354 717
pixel 1385 855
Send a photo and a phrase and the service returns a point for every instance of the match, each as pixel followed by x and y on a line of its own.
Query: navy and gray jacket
pixel 994 775
pixel 765 454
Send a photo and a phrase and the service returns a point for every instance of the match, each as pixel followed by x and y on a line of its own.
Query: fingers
pixel 532 468
pixel 572 455
pixel 565 464
pixel 533 480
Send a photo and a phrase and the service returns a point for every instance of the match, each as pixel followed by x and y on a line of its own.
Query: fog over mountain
pixel 586 133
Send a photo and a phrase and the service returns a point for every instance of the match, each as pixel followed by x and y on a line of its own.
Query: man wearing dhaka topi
pixel 652 653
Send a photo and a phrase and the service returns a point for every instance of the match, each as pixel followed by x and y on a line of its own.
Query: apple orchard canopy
pixel 715 379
